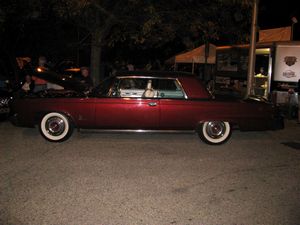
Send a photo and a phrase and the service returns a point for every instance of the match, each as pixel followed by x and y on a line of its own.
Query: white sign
pixel 287 63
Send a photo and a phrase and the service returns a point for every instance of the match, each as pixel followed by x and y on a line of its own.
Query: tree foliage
pixel 140 24
pixel 156 22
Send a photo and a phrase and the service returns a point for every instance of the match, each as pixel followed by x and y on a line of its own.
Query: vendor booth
pixel 232 68
pixel 277 71
pixel 277 67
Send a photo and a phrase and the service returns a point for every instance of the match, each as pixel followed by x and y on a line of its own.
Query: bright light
pixel 39 69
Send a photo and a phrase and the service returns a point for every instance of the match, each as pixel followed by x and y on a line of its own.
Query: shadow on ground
pixel 294 145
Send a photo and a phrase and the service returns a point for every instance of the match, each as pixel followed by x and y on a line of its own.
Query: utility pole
pixel 251 62
pixel 294 21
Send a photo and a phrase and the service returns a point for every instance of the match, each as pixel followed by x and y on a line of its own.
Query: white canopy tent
pixel 196 55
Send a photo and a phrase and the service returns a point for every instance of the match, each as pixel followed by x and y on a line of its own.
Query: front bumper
pixel 4 111
pixel 17 121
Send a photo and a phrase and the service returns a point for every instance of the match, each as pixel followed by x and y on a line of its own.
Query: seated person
pixel 149 92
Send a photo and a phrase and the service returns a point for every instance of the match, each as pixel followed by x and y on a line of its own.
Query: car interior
pixel 149 88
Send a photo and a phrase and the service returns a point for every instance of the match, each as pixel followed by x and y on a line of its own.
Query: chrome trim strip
pixel 146 77
pixel 133 131
pixel 182 89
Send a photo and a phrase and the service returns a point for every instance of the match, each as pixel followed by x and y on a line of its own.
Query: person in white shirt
pixel 28 85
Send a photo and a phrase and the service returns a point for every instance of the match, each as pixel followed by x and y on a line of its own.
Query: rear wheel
pixel 215 132
pixel 55 127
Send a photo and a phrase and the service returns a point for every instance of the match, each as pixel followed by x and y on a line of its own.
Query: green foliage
pixel 144 22
pixel 153 23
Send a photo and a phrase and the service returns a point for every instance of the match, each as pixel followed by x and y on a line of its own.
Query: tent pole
pixel 206 55
pixel 193 67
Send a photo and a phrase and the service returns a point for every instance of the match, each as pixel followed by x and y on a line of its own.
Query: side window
pixel 169 88
pixel 136 88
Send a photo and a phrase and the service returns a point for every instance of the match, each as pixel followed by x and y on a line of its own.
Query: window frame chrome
pixel 158 78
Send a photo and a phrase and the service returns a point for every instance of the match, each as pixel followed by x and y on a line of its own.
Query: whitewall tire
pixel 215 132
pixel 55 127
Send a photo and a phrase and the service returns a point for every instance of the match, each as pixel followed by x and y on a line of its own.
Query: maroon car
pixel 141 101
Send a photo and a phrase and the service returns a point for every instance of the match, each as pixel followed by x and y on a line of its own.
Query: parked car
pixel 141 102
pixel 5 98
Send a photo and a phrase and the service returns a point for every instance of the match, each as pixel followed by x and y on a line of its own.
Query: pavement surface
pixel 101 178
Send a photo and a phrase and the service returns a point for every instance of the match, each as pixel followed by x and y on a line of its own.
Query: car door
pixel 176 111
pixel 126 107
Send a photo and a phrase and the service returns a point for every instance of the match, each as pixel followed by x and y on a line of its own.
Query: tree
pixel 154 23
pixel 138 24
pixel 13 16
pixel 29 28
pixel 98 19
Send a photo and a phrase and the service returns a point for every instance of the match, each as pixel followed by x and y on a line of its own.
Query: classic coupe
pixel 142 102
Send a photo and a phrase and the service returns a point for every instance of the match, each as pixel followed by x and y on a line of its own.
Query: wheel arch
pixel 233 123
pixel 39 116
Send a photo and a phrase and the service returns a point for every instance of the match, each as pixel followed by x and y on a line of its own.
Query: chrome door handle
pixel 152 104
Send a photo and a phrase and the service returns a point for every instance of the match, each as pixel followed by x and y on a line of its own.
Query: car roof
pixel 154 73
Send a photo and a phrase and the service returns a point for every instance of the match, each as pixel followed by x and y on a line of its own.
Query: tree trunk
pixel 98 36
pixel 95 64
pixel 96 58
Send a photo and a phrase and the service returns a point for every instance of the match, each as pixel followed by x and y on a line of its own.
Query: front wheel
pixel 55 127
pixel 215 132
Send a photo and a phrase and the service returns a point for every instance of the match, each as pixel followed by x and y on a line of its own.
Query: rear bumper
pixel 278 119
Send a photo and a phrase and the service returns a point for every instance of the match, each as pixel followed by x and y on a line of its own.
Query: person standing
pixel 40 84
pixel 28 85
pixel 298 90
pixel 86 78
pixel 130 67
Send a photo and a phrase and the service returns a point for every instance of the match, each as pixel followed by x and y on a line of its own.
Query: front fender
pixel 39 115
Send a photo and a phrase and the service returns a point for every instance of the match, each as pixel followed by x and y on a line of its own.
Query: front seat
pixel 149 92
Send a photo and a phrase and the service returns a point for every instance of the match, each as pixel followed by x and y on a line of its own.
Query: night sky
pixel 274 14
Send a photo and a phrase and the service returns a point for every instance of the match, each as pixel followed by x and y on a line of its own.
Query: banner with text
pixel 287 63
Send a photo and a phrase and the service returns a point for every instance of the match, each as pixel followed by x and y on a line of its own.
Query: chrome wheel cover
pixel 215 129
pixel 55 126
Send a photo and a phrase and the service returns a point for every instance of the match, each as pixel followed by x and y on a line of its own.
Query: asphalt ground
pixel 104 178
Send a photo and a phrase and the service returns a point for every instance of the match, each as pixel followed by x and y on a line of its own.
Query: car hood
pixel 65 81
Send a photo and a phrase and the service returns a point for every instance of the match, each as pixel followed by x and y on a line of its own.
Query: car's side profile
pixel 145 101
